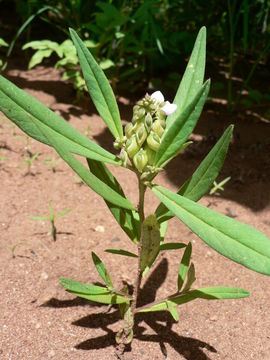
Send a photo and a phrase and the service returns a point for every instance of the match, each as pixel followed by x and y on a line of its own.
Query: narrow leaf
pixel 193 77
pixel 20 107
pixel 98 87
pixel 190 278
pixel 121 252
pixel 62 213
pixel 171 246
pixel 92 181
pixel 103 272
pixel 172 309
pixel 238 242
pixel 183 268
pixel 211 293
pixel 176 135
pixel 203 178
pixel 127 219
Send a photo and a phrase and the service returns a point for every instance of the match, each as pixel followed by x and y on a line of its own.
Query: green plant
pixel 28 161
pixel 219 186
pixel 5 44
pixel 157 133
pixel 52 217
pixel 52 162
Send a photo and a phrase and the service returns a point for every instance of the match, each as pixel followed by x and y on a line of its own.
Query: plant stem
pixel 142 189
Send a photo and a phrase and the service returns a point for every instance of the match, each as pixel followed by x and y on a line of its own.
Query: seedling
pixel 52 162
pixel 51 217
pixel 158 131
pixel 29 162
pixel 219 186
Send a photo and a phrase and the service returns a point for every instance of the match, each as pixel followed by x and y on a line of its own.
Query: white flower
pixel 168 108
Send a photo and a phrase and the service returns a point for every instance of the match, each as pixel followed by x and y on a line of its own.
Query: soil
pixel 39 320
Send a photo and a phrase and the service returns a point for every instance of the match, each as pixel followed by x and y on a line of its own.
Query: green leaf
pixel 203 178
pixel 103 272
pixel 171 246
pixel 172 309
pixel 91 180
pixel 183 268
pixel 62 213
pixel 211 293
pixel 127 219
pixel 238 242
pixel 20 107
pixel 39 218
pixel 192 79
pixel 98 87
pixel 121 252
pixel 3 43
pixel 190 278
pixel 176 135
pixel 92 292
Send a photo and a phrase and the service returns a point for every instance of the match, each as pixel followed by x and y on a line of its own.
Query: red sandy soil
pixel 39 320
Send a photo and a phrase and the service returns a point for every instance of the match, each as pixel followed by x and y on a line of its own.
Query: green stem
pixel 142 189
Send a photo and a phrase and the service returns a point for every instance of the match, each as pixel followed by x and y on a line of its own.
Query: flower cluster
pixel 144 133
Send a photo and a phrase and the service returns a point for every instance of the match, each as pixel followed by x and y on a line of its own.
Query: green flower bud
pixel 158 128
pixel 150 154
pixel 132 147
pixel 141 135
pixel 153 141
pixel 124 157
pixel 129 130
pixel 148 121
pixel 140 113
pixel 119 143
pixel 140 160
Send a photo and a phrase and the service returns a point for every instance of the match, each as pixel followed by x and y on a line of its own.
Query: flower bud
pixel 153 141
pixel 141 135
pixel 132 147
pixel 158 128
pixel 129 130
pixel 148 121
pixel 124 157
pixel 140 160
pixel 150 154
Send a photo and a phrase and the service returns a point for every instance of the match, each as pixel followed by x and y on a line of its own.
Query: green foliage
pixel 148 145
pixel 5 44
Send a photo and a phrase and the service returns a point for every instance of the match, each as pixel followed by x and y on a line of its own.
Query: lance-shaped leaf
pixel 103 272
pixel 202 179
pixel 19 107
pixel 121 252
pixel 176 135
pixel 173 310
pixel 150 242
pixel 98 87
pixel 190 278
pixel 238 242
pixel 184 265
pixel 92 181
pixel 171 246
pixel 92 292
pixel 192 79
pixel 127 219
pixel 211 293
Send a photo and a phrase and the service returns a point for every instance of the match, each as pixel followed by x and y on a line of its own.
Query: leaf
pixel 190 278
pixel 192 79
pixel 211 293
pixel 39 218
pixel 150 242
pixel 121 252
pixel 20 107
pixel 92 181
pixel 203 178
pixel 175 136
pixel 171 246
pixel 127 219
pixel 172 309
pixel 92 292
pixel 103 272
pixel 183 268
pixel 62 213
pixel 3 43
pixel 98 87
pixel 238 242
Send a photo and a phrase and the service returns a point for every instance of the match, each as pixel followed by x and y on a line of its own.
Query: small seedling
pixel 219 186
pixel 29 162
pixel 52 162
pixel 157 132
pixel 51 217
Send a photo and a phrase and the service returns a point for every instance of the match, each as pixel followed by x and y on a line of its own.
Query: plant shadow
pixel 160 323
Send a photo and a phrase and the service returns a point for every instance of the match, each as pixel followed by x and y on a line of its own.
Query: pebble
pixel 44 276
pixel 100 228
pixel 213 318
pixel 51 353
pixel 38 325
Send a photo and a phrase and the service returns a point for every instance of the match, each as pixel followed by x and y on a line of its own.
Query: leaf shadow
pixel 161 323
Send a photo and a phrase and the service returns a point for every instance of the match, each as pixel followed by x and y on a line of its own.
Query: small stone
pixel 38 325
pixel 213 318
pixel 51 353
pixel 100 228
pixel 44 276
